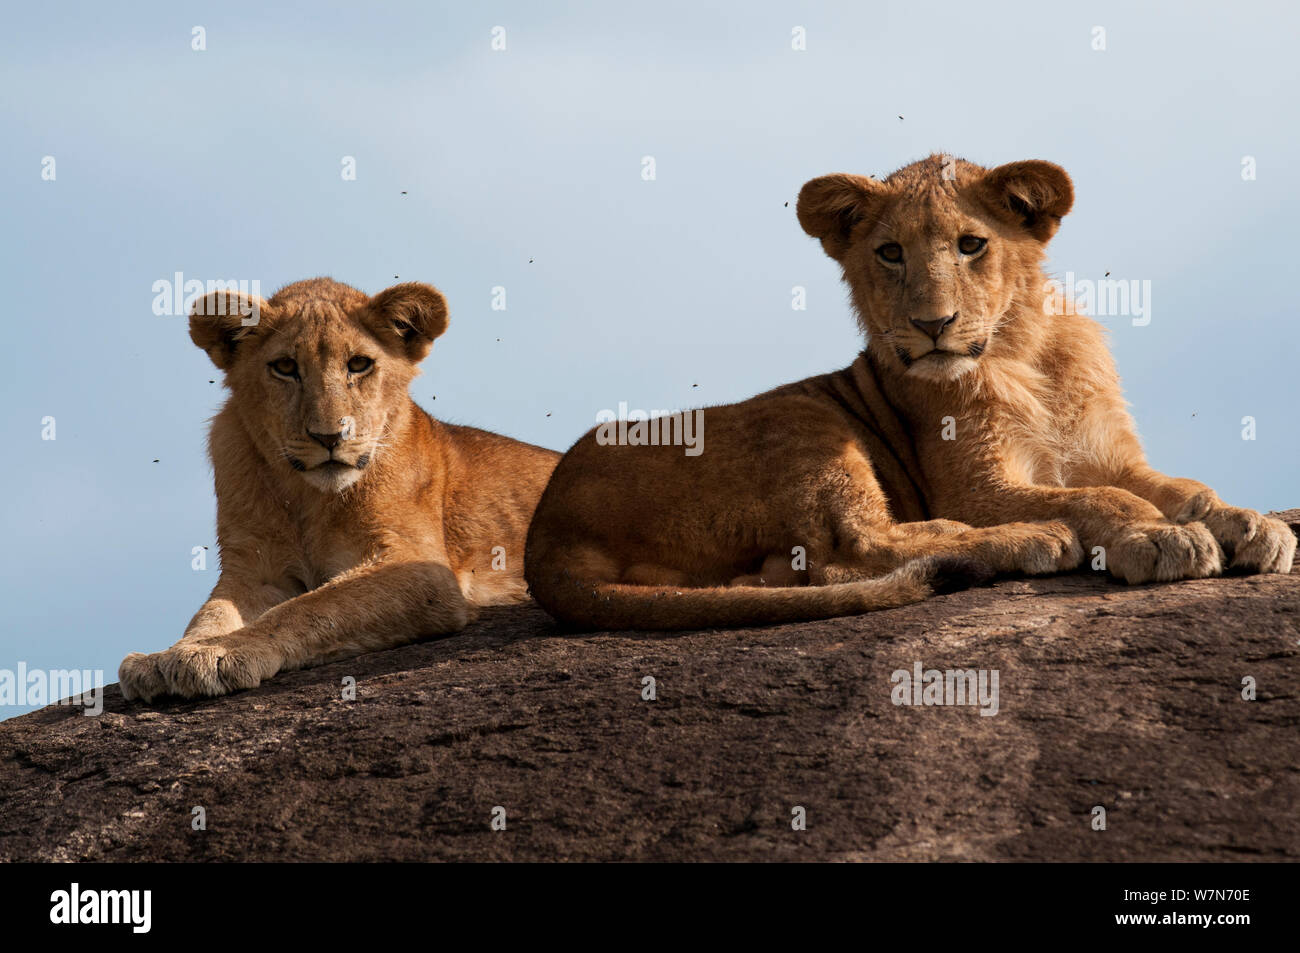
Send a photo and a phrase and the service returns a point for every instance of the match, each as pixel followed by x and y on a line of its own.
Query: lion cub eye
pixel 971 244
pixel 891 252
pixel 285 367
pixel 359 365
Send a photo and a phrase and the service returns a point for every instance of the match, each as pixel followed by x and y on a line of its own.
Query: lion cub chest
pixel 1031 447
pixel 1033 432
pixel 1032 461
pixel 329 552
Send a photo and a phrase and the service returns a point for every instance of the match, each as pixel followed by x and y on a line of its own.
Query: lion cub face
pixel 320 368
pixel 936 254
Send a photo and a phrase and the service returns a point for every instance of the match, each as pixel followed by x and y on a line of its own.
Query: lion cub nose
pixel 934 328
pixel 327 440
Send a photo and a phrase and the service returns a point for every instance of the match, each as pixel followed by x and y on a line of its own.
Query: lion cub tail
pixel 604 605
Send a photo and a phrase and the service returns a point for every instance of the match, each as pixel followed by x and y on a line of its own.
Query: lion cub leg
pixel 1251 541
pixel 1031 548
pixel 1140 545
pixel 235 602
pixel 372 607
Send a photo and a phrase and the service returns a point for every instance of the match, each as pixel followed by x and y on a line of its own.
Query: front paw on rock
pixel 197 670
pixel 1251 541
pixel 1044 548
pixel 1164 552
pixel 139 677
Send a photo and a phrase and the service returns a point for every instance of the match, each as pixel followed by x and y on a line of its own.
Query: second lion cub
pixel 980 431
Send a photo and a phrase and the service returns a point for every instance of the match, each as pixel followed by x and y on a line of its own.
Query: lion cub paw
pixel 1043 548
pixel 1251 541
pixel 198 669
pixel 1164 552
pixel 139 677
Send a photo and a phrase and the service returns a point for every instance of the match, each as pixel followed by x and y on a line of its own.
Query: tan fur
pixel 852 468
pixel 321 560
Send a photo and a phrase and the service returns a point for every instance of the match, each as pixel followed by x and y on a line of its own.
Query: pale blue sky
pixel 226 163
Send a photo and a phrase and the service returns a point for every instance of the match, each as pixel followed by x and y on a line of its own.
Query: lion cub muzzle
pixel 933 327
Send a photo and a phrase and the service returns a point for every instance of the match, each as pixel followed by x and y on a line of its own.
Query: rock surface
pixel 1124 698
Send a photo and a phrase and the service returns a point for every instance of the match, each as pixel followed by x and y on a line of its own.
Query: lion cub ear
pixel 830 206
pixel 1034 194
pixel 410 316
pixel 221 319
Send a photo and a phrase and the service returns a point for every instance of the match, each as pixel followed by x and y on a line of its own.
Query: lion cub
pixel 980 431
pixel 348 519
